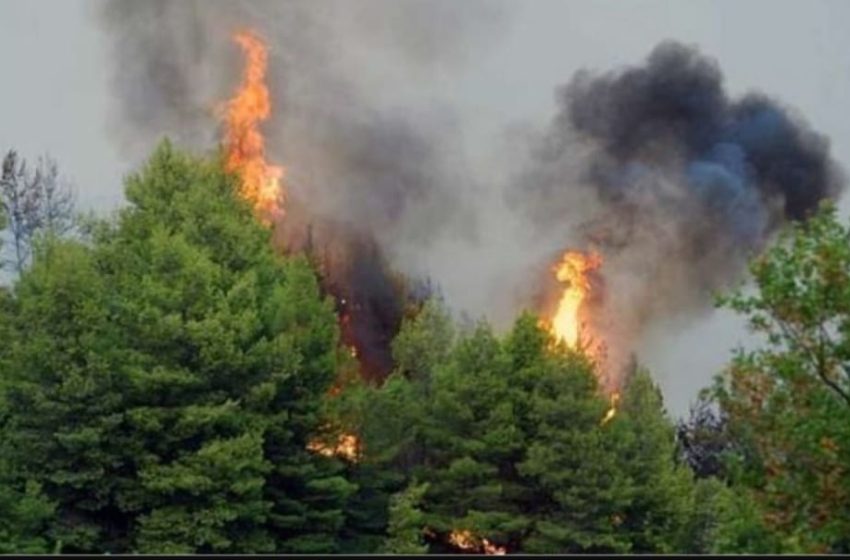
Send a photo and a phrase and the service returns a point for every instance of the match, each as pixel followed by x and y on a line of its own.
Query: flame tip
pixel 244 142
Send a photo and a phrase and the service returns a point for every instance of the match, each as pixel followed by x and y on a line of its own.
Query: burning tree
pixel 370 297
pixel 492 427
pixel 570 319
pixel 244 143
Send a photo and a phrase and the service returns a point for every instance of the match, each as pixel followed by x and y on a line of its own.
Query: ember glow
pixel 346 447
pixel 466 541
pixel 572 270
pixel 244 143
pixel 615 398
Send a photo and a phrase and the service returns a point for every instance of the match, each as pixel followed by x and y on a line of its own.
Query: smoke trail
pixel 676 182
pixel 372 171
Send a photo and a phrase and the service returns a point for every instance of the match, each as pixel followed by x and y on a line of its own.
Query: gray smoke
pixel 374 169
pixel 350 148
pixel 676 183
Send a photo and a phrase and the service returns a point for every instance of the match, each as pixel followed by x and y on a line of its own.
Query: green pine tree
pixel 406 522
pixel 166 376
pixel 579 488
pixel 661 488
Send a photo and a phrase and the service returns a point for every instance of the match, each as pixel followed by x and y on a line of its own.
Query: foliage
pixel 404 534
pixel 507 436
pixel 171 384
pixel 790 400
pixel 705 442
pixel 25 514
pixel 165 378
pixel 659 503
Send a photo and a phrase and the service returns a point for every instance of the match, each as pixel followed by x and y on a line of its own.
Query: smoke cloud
pixel 672 180
pixel 372 172
pixel 676 183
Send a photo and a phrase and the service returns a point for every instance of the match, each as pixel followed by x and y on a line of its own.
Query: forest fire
pixel 261 186
pixel 569 319
pixel 244 143
pixel 347 446
pixel 341 310
pixel 468 542
pixel 261 181
pixel 615 399
pixel 569 322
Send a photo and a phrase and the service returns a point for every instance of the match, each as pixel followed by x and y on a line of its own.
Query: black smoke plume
pixel 371 297
pixel 673 180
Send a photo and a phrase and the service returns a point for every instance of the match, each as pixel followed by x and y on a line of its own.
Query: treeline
pixel 170 384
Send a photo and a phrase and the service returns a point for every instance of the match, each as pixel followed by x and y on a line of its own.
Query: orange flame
pixel 347 446
pixel 244 143
pixel 615 398
pixel 465 540
pixel 567 323
pixel 573 270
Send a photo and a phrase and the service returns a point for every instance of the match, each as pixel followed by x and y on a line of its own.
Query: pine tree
pixel 406 522
pixel 661 488
pixel 509 438
pixel 167 375
pixel 390 422
pixel 25 515
pixel 473 439
pixel 579 488
pixel 65 374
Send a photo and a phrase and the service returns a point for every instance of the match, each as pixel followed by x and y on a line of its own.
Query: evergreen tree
pixel 25 515
pixel 390 422
pixel 472 440
pixel 659 499
pixel 166 377
pixel 580 490
pixel 64 383
pixel 404 534
pixel 508 436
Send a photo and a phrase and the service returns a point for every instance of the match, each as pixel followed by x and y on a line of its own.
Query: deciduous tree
pixel 789 400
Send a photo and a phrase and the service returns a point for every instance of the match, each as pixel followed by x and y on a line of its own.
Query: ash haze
pixel 410 119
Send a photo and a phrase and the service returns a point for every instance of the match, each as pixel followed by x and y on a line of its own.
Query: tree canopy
pixel 788 402
pixel 165 375
pixel 171 382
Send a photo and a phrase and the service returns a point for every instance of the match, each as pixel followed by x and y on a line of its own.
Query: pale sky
pixel 55 91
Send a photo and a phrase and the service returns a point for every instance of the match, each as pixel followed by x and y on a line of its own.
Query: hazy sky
pixel 55 91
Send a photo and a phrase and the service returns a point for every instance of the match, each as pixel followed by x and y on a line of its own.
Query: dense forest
pixel 172 383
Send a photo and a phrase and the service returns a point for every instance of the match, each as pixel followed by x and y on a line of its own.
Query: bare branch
pixel 34 203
